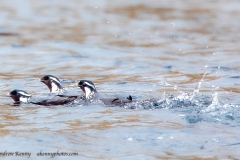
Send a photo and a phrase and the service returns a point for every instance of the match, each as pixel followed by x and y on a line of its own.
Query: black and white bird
pixel 91 93
pixel 19 96
pixel 88 89
pixel 53 83
pixel 22 96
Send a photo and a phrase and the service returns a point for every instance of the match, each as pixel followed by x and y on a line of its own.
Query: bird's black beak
pixel 79 85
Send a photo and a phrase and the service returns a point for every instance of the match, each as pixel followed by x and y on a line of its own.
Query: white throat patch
pixel 55 88
pixel 88 92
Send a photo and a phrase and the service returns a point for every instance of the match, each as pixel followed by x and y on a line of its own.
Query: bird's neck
pixel 89 94
pixel 56 88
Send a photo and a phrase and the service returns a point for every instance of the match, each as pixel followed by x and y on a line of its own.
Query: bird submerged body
pixel 46 100
pixel 54 100
pixel 118 101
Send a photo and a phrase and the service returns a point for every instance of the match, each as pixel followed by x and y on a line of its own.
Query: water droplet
pixel 175 87
pixel 206 66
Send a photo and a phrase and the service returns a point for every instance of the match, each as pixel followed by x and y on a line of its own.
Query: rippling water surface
pixel 183 54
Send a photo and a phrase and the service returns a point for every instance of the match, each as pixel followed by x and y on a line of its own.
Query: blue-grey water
pixel 178 59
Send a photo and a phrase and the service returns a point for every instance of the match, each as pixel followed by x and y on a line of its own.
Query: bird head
pixel 52 82
pixel 88 88
pixel 19 96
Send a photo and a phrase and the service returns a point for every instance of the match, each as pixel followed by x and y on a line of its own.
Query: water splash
pixel 197 88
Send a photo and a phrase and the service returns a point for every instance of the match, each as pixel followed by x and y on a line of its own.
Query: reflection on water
pixel 179 59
